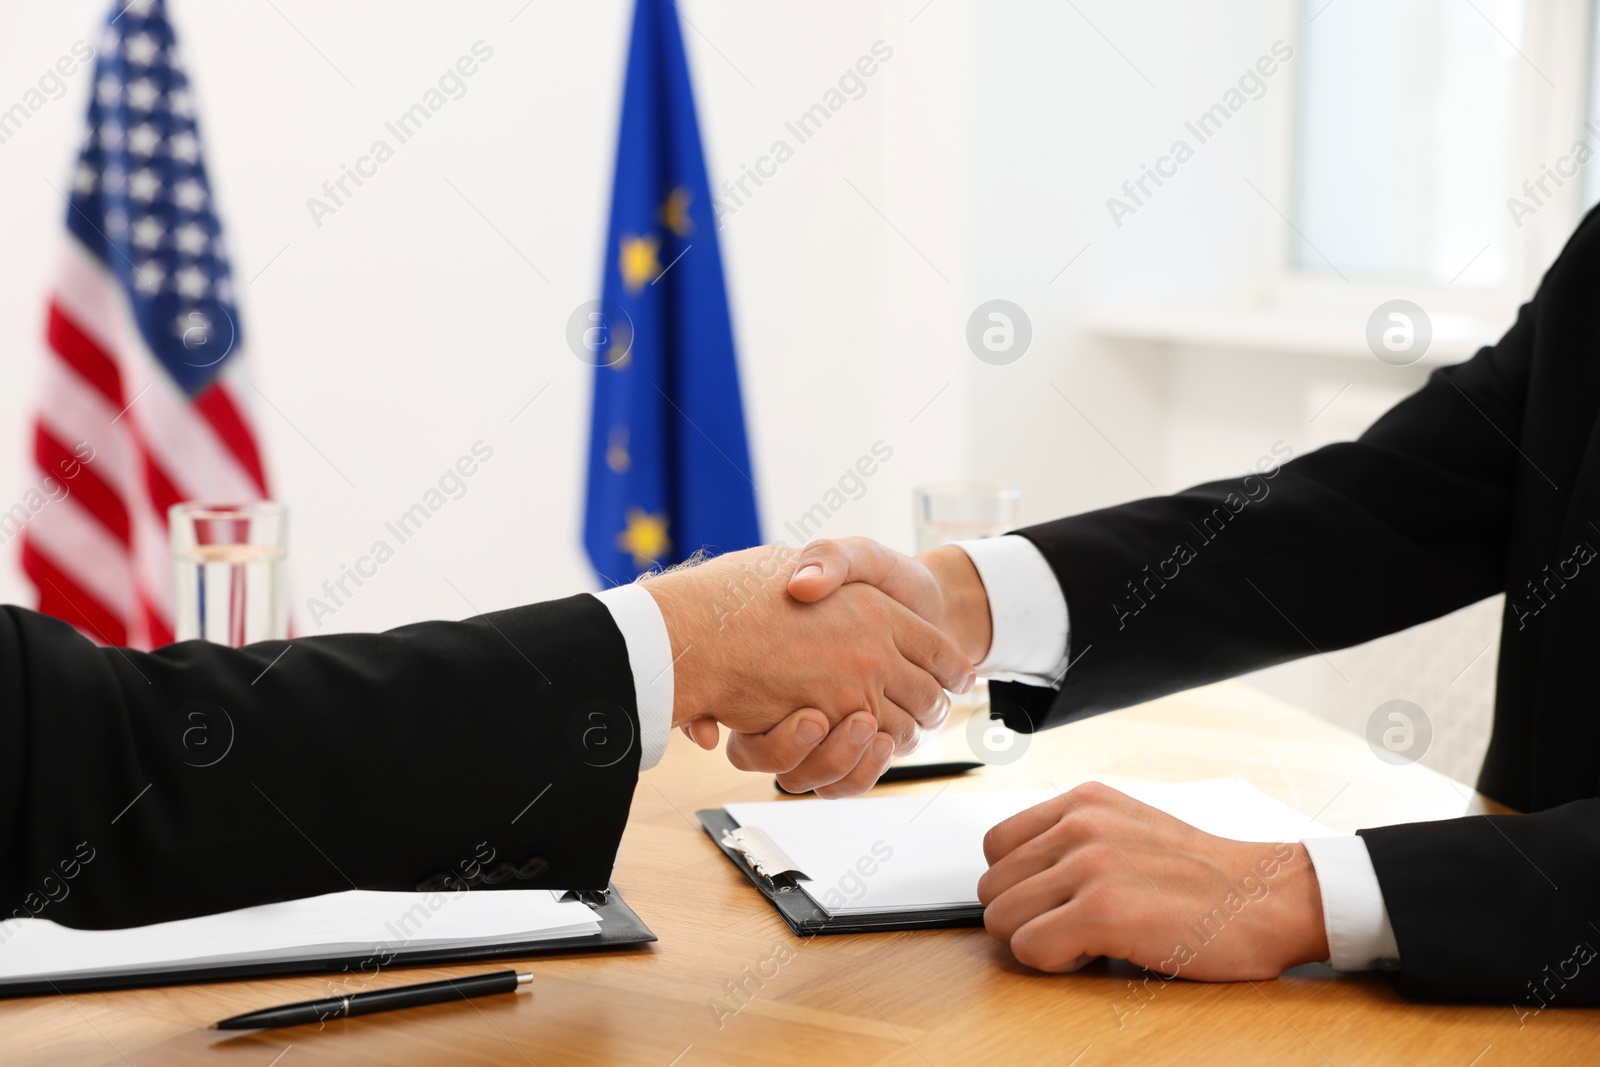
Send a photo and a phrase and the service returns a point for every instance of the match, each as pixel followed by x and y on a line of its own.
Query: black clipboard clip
pixel 595 898
pixel 763 858
pixel 797 910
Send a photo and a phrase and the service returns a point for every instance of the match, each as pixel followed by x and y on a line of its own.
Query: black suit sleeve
pixel 1339 546
pixel 1496 906
pixel 1336 547
pixel 140 787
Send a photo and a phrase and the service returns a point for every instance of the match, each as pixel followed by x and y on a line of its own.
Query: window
pixel 1405 147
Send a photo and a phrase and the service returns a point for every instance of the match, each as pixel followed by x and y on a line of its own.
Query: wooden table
pixel 925 997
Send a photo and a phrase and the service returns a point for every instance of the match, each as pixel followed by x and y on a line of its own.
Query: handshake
pixel 823 663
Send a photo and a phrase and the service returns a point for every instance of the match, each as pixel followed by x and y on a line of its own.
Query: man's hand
pixel 1094 873
pixel 848 760
pixel 747 654
pixel 941 586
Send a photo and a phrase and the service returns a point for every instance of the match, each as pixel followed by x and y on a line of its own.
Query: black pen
pixel 916 772
pixel 406 996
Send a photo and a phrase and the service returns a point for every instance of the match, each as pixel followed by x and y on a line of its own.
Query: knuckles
pixel 841 789
pixel 866 661
pixel 1092 794
pixel 996 844
pixel 1036 952
pixel 996 924
pixel 1096 906
pixel 1092 859
pixel 1049 951
pixel 745 759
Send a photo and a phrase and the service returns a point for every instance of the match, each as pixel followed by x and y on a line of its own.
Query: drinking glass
pixel 962 511
pixel 228 562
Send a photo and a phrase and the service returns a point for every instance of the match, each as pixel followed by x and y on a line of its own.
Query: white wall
pixel 405 328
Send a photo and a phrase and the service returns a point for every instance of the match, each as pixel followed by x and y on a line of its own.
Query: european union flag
pixel 669 466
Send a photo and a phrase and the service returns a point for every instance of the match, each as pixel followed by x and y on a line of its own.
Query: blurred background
pixel 1179 332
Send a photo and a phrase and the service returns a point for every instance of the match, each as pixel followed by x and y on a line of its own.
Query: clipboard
pixel 766 869
pixel 621 927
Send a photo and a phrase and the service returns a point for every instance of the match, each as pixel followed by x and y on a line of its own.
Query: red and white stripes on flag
pixel 133 444
pixel 142 402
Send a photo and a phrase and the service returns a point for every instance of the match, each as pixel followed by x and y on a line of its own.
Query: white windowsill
pixel 1319 332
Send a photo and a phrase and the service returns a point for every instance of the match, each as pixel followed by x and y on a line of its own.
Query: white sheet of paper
pixel 351 923
pixel 925 852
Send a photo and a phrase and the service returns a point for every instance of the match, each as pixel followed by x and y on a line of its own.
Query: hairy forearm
pixel 689 616
pixel 704 606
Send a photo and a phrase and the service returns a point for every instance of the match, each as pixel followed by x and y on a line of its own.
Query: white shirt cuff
pixel 1027 611
pixel 1359 935
pixel 650 657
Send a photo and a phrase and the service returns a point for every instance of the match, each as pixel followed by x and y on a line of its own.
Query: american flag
pixel 142 393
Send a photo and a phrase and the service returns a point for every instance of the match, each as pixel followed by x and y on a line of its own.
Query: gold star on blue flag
pixel 669 459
